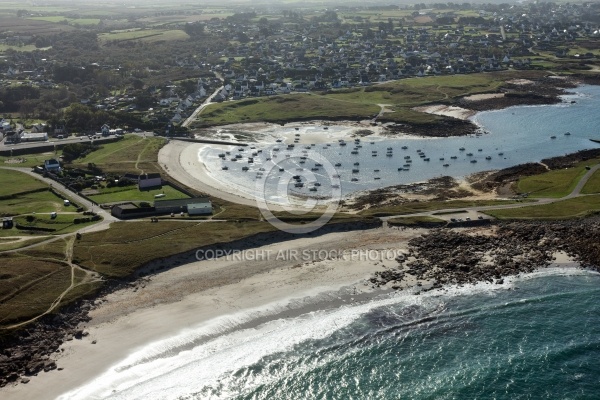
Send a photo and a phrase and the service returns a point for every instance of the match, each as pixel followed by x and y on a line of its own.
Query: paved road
pixel 202 106
pixel 107 218
pixel 576 192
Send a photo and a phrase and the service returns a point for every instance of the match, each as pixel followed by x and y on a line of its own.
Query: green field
pixel 145 35
pixel 13 182
pixel 558 183
pixel 570 208
pixel 359 103
pixel 29 160
pixel 29 286
pixel 593 184
pixel 63 223
pixel 37 202
pixel 425 206
pixel 555 184
pixel 282 109
pixel 131 154
pixel 132 193
pixel 126 246
pixel 71 21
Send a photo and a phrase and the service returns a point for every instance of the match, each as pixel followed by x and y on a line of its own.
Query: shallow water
pixel 536 336
pixel 522 134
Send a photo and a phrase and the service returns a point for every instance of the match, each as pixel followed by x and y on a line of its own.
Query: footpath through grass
pixel 570 208
pixel 133 154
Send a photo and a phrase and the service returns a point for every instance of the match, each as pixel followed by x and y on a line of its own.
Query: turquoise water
pixel 537 336
pixel 541 340
pixel 514 136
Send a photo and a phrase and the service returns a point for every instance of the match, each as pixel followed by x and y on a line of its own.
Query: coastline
pixel 216 296
pixel 194 295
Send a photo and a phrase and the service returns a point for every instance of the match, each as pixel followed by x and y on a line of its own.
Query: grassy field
pixel 144 35
pixel 13 243
pixel 132 193
pixel 283 108
pixel 71 21
pixel 131 154
pixel 126 246
pixel 14 182
pixel 417 207
pixel 29 286
pixel 29 160
pixel 571 208
pixel 360 103
pixel 557 183
pixel 63 223
pixel 593 184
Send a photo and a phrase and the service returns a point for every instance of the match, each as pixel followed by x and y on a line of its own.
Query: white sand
pixel 483 96
pixel 199 292
pixel 448 111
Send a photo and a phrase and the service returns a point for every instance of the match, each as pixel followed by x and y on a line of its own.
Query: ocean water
pixel 537 336
pixel 512 136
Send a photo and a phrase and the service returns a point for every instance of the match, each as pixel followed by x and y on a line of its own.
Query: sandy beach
pixel 219 295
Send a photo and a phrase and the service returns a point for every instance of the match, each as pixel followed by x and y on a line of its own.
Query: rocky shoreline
pixel 444 257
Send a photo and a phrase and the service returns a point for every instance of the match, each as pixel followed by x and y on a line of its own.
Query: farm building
pixel 130 210
pixel 200 206
pixel 149 181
